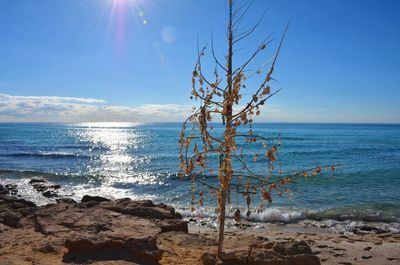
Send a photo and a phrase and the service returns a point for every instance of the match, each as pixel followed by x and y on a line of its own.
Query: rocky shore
pixel 97 230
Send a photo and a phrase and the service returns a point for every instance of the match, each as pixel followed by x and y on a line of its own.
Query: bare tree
pixel 204 151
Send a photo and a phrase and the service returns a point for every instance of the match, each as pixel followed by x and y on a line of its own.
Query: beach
pixel 97 230
pixel 330 248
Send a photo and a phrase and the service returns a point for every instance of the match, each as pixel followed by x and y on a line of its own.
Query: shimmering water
pixel 141 161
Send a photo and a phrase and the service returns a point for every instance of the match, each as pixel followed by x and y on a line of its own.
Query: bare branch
pixel 213 53
pixel 248 32
pixel 250 107
pixel 261 47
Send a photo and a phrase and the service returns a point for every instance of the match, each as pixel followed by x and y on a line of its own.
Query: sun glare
pixel 122 16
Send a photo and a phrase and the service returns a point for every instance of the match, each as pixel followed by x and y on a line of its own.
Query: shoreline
pixel 42 192
pixel 331 248
pixel 97 230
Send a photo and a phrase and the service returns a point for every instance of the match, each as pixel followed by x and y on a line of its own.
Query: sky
pixel 132 60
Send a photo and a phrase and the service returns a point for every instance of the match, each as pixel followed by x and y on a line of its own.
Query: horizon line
pixel 177 122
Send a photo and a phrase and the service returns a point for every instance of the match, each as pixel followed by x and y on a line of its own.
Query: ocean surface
pixel 141 161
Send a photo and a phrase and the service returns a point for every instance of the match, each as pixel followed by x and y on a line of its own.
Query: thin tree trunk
pixel 227 166
pixel 222 224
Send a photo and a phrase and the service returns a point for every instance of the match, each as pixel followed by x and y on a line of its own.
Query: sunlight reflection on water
pixel 117 152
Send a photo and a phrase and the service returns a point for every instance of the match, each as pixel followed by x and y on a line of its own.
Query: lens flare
pixel 121 15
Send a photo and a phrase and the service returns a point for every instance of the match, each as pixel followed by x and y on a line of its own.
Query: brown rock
pixel 37 180
pixel 11 218
pixel 144 208
pixel 65 200
pixel 88 198
pixel 290 249
pixel 305 259
pixel 173 225
pixel 9 200
pixel 259 257
pixel 208 259
pixel 49 194
pixel 138 249
pixel 48 248
pixel 95 230
pixel 280 253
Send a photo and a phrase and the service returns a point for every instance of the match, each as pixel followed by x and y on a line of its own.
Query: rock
pixel 88 204
pixel 11 188
pixel 144 251
pixel 96 229
pixel 99 233
pixel 88 198
pixel 305 259
pixel 3 190
pixel 228 257
pixel 18 205
pixel 144 208
pixel 47 189
pixel 66 200
pixel 173 225
pixel 39 185
pixel 290 249
pixel 49 194
pixel 37 180
pixel 126 241
pixel 279 253
pixel 322 246
pixel 48 248
pixel 55 187
pixel 170 209
pixel 11 218
pixel 208 259
pixel 10 200
pixel 267 257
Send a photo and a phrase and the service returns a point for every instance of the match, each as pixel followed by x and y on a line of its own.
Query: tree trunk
pixel 227 166
pixel 221 224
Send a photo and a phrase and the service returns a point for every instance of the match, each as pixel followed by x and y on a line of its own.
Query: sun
pixel 121 19
pixel 119 2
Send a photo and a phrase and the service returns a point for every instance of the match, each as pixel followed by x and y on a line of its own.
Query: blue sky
pixel 131 60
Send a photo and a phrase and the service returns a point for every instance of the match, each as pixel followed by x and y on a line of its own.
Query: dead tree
pixel 226 99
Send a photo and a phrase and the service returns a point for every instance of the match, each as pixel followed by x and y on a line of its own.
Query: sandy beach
pixel 331 248
pixel 97 230
pixel 19 246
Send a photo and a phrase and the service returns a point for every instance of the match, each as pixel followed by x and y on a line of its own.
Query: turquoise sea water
pixel 141 161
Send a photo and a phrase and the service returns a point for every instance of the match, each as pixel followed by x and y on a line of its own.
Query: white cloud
pixel 71 109
pixel 68 109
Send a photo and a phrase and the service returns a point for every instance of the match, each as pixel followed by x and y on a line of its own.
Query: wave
pixel 80 177
pixel 47 155
pixel 299 219
pixel 295 215
pixel 30 174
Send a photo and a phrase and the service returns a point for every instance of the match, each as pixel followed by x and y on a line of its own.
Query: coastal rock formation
pixel 96 229
pixel 48 190
pixel 100 231
pixel 279 253
pixel 140 232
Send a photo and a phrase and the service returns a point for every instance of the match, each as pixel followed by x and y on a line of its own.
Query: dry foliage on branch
pixel 207 151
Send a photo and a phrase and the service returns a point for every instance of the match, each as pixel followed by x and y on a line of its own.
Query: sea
pixel 141 161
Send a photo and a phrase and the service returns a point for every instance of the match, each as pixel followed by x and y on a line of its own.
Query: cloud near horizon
pixel 71 109
pixel 78 110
